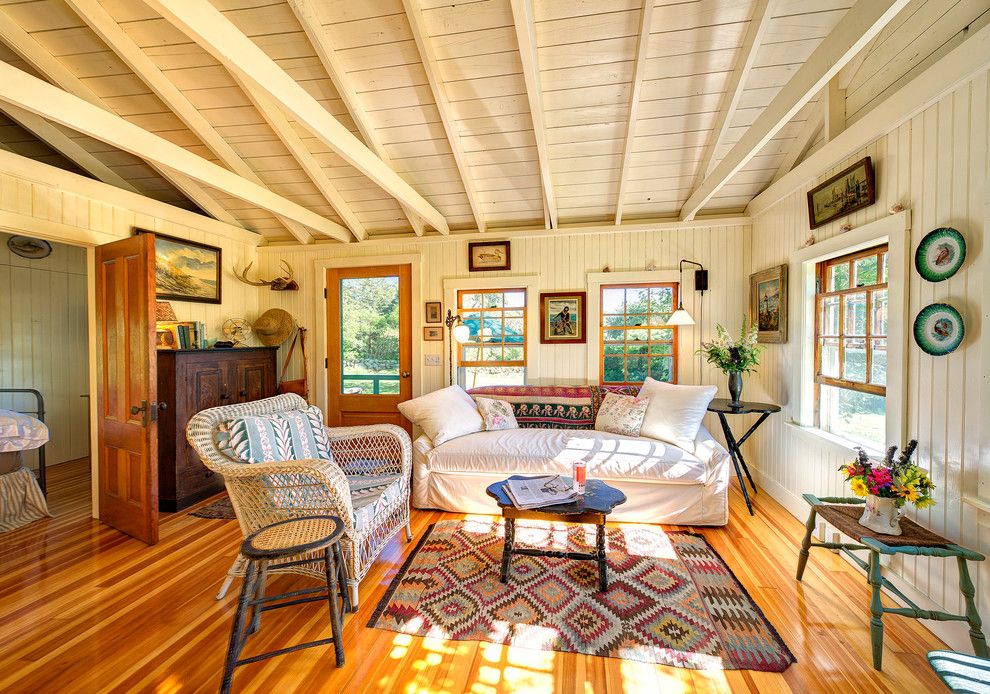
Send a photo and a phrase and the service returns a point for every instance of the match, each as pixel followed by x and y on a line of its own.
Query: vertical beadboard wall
pixel 935 164
pixel 44 345
pixel 562 262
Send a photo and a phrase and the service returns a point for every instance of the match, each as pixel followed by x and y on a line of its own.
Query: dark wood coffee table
pixel 598 501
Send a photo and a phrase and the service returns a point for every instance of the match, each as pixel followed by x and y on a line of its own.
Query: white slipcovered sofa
pixel 663 483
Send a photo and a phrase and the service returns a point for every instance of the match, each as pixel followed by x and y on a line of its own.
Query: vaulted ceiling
pixel 347 119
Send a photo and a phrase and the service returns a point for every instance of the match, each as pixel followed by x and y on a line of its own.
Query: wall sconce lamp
pixel 458 333
pixel 681 316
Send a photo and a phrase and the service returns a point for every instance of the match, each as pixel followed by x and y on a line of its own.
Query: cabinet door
pixel 252 379
pixel 207 386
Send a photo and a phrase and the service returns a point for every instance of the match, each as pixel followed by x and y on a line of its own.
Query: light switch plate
pixel 433 360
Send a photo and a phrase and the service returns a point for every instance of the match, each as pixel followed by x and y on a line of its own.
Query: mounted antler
pixel 278 284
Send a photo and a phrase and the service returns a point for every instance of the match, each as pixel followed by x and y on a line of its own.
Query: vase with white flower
pixel 733 357
pixel 887 486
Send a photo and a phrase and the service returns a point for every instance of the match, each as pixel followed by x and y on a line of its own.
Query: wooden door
pixel 127 376
pixel 369 344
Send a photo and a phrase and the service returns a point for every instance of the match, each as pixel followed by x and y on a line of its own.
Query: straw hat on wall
pixel 274 327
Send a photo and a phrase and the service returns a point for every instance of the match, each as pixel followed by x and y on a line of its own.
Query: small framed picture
pixel 433 333
pixel 768 304
pixel 489 255
pixel 434 312
pixel 847 191
pixel 562 318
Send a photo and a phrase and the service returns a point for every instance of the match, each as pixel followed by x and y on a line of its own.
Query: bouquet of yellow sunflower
pixel 898 479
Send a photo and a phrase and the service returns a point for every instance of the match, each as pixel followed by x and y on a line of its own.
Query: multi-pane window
pixel 495 351
pixel 851 345
pixel 634 342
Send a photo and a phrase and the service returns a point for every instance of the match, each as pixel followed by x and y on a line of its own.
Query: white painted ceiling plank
pixel 431 66
pixel 809 131
pixel 525 27
pixel 208 27
pixel 642 47
pixel 864 21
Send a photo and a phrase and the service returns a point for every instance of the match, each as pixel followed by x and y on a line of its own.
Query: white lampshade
pixel 680 317
pixel 461 333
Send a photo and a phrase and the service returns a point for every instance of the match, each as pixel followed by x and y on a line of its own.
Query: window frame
pixel 673 342
pixel 460 362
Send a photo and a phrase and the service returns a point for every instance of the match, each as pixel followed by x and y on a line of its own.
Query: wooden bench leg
pixel 876 610
pixel 972 616
pixel 806 543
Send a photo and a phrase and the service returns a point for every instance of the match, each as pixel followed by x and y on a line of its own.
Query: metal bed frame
pixel 40 414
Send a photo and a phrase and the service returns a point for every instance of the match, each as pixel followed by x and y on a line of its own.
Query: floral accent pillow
pixel 496 414
pixel 621 414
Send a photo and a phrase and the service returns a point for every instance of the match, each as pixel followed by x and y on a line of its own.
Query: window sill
pixel 843 445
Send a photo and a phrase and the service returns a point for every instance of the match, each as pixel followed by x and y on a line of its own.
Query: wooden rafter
pixel 525 27
pixel 860 24
pixel 209 28
pixel 432 67
pixel 646 19
pixel 308 16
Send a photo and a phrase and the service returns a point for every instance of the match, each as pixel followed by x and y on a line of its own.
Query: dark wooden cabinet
pixel 190 381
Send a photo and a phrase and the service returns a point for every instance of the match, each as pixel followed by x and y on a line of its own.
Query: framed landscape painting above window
pixel 847 191
pixel 768 304
pixel 562 318
pixel 185 270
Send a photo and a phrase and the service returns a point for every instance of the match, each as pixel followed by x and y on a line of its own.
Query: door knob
pixel 405 374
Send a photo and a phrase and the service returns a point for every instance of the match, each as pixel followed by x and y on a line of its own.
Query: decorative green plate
pixel 940 254
pixel 939 329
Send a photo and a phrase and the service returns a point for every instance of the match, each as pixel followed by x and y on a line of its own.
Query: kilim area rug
pixel 671 599
pixel 220 509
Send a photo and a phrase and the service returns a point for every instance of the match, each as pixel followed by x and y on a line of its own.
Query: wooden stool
pixel 284 540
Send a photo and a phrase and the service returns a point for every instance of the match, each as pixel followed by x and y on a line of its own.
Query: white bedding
pixel 21 432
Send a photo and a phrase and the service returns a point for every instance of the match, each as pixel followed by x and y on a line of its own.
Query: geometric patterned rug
pixel 220 509
pixel 671 599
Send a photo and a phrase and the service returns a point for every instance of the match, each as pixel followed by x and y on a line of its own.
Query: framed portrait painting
pixel 186 270
pixel 562 318
pixel 489 255
pixel 768 304
pixel 434 312
pixel 847 191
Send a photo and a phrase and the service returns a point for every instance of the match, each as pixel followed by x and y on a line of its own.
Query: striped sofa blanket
pixel 553 407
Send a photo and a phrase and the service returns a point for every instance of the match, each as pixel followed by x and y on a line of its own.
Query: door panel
pixel 127 373
pixel 369 344
pixel 251 381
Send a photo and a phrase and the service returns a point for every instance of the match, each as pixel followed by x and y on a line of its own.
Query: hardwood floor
pixel 86 609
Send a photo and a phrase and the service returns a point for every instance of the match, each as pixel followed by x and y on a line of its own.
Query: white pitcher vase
pixel 881 515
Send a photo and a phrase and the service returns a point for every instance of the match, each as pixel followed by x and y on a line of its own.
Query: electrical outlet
pixel 432 360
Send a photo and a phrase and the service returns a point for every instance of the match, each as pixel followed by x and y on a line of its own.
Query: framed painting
pixel 186 270
pixel 432 333
pixel 489 255
pixel 434 312
pixel 847 191
pixel 563 318
pixel 768 304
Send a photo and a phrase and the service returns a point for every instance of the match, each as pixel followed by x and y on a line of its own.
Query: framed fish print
pixel 847 191
pixel 562 318
pixel 186 270
pixel 768 304
pixel 489 255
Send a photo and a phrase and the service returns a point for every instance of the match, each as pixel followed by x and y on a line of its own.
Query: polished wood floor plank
pixel 87 609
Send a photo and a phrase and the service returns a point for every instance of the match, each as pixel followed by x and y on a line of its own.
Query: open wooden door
pixel 127 397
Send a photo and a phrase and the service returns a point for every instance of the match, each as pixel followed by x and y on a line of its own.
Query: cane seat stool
pixel 293 542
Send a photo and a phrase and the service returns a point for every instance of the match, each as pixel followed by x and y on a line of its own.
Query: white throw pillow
pixel 675 412
pixel 496 414
pixel 443 414
pixel 621 414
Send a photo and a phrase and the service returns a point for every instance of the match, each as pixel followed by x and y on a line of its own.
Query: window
pixel 495 352
pixel 851 346
pixel 634 343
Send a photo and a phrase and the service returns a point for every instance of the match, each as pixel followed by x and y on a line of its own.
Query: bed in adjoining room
pixel 22 494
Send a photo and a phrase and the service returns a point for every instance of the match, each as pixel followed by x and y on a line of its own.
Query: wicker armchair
pixel 264 493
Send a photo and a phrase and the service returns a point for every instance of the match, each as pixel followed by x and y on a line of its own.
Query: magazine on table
pixel 549 490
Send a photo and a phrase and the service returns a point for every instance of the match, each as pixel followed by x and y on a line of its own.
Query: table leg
pixel 510 540
pixel 602 565
pixel 806 543
pixel 972 616
pixel 237 632
pixel 730 441
pixel 876 610
pixel 330 568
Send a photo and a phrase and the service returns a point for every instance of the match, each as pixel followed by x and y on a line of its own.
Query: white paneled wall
pixel 43 343
pixel 936 164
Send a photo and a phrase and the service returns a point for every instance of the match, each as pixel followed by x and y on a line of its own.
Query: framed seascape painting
pixel 562 318
pixel 489 255
pixel 768 304
pixel 186 270
pixel 847 191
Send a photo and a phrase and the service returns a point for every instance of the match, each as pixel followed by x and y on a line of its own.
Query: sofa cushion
pixel 371 495
pixel 598 394
pixel 443 414
pixel 538 451
pixel 560 407
pixel 621 414
pixel 675 412
pixel 496 414
pixel 282 436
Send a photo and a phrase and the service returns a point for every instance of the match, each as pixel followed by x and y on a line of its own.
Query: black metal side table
pixel 723 407
pixel 316 536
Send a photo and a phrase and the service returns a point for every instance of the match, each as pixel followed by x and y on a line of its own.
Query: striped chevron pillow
pixel 293 435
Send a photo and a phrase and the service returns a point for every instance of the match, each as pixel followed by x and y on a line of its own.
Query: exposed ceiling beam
pixel 55 72
pixel 646 19
pixel 432 67
pixel 209 28
pixel 36 95
pixel 746 58
pixel 834 102
pixel 802 143
pixel 859 25
pixel 525 25
pixel 307 14
pixel 107 28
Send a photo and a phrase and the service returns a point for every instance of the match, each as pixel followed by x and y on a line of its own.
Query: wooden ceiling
pixel 348 119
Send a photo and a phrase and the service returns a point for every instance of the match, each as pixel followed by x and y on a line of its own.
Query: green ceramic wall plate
pixel 939 329
pixel 940 254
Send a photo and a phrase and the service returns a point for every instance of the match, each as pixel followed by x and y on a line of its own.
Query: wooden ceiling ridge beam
pixel 431 65
pixel 125 48
pixel 308 17
pixel 213 32
pixel 861 23
pixel 642 46
pixel 22 89
pixel 525 29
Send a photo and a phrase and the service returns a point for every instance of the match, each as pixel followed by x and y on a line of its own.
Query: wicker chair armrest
pixel 372 450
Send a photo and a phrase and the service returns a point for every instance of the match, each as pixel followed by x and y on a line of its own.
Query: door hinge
pixel 326 363
pixel 324 292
